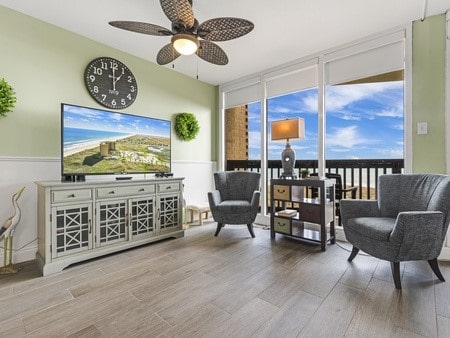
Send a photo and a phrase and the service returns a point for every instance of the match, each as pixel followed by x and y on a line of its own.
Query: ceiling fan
pixel 188 36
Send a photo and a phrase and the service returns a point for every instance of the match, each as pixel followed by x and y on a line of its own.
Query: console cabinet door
pixel 169 212
pixel 111 222
pixel 142 217
pixel 71 229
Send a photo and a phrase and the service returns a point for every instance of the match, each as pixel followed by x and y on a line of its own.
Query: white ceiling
pixel 285 30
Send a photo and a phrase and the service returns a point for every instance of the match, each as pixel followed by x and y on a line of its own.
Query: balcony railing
pixel 356 173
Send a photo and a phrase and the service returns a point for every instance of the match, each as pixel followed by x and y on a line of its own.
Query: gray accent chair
pixel 236 198
pixel 408 222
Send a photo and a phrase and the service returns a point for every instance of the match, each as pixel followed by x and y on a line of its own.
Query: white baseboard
pixel 23 255
pixel 445 254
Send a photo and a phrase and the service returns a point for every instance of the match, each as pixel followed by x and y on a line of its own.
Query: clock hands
pixel 114 78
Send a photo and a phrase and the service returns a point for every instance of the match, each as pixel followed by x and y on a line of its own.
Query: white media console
pixel 84 220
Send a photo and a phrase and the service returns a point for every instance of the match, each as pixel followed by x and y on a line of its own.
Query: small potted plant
pixel 7 98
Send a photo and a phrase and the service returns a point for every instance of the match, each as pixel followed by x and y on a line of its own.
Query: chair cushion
pixel 373 228
pixel 234 206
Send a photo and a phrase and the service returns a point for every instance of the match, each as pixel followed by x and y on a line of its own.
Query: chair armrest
pixel 350 208
pixel 214 199
pixel 349 189
pixel 255 199
pixel 418 234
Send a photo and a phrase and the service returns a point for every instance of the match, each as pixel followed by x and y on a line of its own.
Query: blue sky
pixel 363 121
pixel 96 119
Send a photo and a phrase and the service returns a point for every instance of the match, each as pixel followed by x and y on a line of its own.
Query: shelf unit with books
pixel 297 197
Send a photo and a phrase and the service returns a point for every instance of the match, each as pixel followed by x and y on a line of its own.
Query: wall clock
pixel 110 83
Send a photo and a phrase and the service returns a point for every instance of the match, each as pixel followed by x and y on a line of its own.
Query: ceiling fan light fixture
pixel 185 44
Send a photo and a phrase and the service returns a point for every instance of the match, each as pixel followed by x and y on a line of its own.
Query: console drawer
pixel 169 187
pixel 71 195
pixel 125 191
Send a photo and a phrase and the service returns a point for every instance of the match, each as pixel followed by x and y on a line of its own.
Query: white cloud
pixel 347 137
pixel 340 96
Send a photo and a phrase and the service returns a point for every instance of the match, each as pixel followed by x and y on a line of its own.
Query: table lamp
pixel 288 129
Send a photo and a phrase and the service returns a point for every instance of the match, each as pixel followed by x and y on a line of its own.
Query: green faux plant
pixel 7 98
pixel 186 126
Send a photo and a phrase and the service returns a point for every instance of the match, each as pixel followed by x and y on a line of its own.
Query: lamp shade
pixel 288 129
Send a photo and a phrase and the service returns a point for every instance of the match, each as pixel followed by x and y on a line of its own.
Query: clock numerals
pixel 110 83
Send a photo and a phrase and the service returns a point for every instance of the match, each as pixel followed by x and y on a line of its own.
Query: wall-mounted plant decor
pixel 186 126
pixel 7 98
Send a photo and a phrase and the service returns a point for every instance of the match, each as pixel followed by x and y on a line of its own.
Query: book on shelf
pixel 287 212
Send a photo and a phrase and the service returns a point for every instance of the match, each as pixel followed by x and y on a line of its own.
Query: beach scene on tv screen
pixel 103 142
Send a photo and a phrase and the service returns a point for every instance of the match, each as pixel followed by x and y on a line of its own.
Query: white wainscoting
pixel 24 171
pixel 20 172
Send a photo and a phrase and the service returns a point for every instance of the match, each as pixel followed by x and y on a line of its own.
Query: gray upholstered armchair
pixel 408 222
pixel 236 198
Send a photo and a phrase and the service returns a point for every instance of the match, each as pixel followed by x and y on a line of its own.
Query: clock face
pixel 110 83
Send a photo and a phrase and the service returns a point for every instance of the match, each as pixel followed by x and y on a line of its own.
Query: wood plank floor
pixel 227 286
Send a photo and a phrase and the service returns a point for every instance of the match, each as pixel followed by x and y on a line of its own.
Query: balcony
pixel 362 174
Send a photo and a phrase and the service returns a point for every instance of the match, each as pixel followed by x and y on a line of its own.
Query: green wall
pixel 429 152
pixel 45 65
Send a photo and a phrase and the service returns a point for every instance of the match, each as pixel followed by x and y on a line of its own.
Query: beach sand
pixel 91 144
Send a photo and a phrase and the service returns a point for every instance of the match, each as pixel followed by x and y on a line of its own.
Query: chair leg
pixel 355 251
pixel 219 227
pixel 395 267
pixel 435 267
pixel 250 229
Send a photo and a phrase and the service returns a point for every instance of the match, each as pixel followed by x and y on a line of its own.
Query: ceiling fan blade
pixel 223 29
pixel 166 55
pixel 212 53
pixel 178 10
pixel 141 27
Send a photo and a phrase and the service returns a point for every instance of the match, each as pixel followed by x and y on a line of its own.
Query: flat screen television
pixel 101 142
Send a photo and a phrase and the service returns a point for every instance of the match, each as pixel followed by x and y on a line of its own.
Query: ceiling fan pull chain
pixel 197 68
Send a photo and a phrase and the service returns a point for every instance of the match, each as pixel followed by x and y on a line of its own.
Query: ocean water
pixel 74 137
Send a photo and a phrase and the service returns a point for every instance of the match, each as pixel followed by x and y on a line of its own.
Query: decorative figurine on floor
pixel 7 232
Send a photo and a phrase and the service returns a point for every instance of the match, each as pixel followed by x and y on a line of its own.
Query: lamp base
pixel 288 162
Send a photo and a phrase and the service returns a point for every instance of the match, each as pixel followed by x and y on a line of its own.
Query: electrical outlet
pixel 422 128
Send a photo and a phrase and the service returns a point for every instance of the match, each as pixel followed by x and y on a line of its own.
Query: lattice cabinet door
pixel 168 212
pixel 72 229
pixel 111 222
pixel 142 216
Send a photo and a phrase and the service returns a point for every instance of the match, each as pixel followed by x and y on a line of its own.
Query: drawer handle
pixel 142 189
pixel 168 187
pixel 112 192
pixel 71 196
pixel 281 224
pixel 281 191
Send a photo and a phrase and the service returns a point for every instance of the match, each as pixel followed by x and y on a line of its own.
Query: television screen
pixel 98 142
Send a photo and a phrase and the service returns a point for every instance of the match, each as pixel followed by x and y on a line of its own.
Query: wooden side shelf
pixel 293 194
